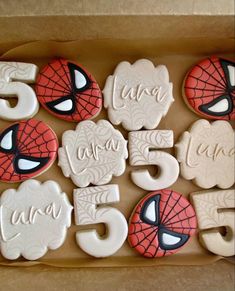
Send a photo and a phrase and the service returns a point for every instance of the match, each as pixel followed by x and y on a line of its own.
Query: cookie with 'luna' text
pixel 34 218
pixel 206 154
pixel 138 95
pixel 93 153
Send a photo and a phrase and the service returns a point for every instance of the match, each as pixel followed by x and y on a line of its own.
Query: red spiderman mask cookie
pixel 27 149
pixel 161 224
pixel 68 91
pixel 209 88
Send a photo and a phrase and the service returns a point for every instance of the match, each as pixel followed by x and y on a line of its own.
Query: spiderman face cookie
pixel 68 91
pixel 209 88
pixel 161 224
pixel 27 149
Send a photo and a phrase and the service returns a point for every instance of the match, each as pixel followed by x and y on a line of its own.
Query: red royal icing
pixel 161 224
pixel 209 88
pixel 68 91
pixel 27 148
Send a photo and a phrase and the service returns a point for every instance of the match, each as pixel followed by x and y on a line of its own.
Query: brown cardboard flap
pixel 128 27
pixel 121 7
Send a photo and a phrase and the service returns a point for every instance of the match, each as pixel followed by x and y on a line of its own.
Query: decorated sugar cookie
pixel 206 154
pixel 144 150
pixel 13 76
pixel 161 224
pixel 209 88
pixel 215 209
pixel 138 95
pixel 27 149
pixel 68 91
pixel 34 218
pixel 93 153
pixel 89 210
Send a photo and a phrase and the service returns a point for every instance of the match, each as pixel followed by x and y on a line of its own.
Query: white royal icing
pixel 80 80
pixel 231 71
pixel 24 164
pixel 220 106
pixel 66 105
pixel 150 212
pixel 6 142
pixel 169 239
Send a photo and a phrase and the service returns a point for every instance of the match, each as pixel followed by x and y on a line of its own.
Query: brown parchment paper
pixel 100 57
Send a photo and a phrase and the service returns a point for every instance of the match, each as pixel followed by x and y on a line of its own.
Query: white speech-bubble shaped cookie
pixel 33 219
pixel 206 154
pixel 138 95
pixel 93 153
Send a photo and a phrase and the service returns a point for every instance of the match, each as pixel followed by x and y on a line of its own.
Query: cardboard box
pixel 101 34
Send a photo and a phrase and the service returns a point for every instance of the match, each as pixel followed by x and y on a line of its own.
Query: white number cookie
pixel 33 219
pixel 86 212
pixel 93 153
pixel 206 154
pixel 13 76
pixel 209 207
pixel 143 147
pixel 138 95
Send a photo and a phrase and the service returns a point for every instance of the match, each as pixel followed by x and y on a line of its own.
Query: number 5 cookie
pixel 138 95
pixel 13 76
pixel 215 209
pixel 88 209
pixel 143 149
pixel 206 154
pixel 93 153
